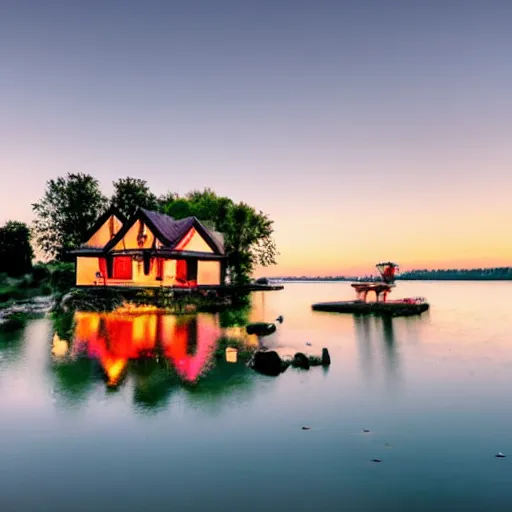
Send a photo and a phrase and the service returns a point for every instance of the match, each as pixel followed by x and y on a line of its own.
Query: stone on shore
pixel 326 358
pixel 300 360
pixel 267 363
pixel 261 328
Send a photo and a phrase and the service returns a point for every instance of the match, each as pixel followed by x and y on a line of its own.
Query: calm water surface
pixel 433 391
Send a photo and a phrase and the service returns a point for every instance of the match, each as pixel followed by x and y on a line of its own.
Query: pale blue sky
pixel 310 110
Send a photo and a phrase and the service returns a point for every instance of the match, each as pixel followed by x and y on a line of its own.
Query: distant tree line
pixel 314 278
pixel 475 274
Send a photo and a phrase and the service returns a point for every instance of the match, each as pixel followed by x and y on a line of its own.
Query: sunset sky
pixel 367 130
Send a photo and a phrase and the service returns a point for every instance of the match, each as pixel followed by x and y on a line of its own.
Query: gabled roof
pixel 112 210
pixel 168 230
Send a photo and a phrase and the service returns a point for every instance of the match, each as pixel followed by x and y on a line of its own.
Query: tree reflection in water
pixel 156 353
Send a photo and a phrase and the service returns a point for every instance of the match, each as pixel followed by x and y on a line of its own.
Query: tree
pixel 15 250
pixel 131 193
pixel 64 215
pixel 248 234
pixel 249 241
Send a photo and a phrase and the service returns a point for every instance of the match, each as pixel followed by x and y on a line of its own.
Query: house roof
pixel 168 230
pixel 112 210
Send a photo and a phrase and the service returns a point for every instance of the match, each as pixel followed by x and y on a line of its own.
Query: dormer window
pixel 142 236
pixel 111 227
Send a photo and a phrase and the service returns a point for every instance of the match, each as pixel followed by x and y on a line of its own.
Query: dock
pixel 390 308
pixel 381 288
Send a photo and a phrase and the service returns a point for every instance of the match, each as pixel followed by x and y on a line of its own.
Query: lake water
pixel 434 391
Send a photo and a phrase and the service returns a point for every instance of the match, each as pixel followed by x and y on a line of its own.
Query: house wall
pixel 105 233
pixel 208 273
pixel 129 241
pixel 193 241
pixel 86 269
pixel 169 273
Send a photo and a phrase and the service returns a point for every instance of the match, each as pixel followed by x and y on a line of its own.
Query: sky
pixel 366 130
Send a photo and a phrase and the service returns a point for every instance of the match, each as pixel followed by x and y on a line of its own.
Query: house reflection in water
pixel 114 339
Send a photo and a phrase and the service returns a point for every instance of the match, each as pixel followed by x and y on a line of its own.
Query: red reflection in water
pixel 114 339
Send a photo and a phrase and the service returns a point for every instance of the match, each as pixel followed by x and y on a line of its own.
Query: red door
pixel 181 271
pixel 122 267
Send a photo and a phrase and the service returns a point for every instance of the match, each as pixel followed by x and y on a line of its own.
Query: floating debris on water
pixel 366 431
pixel 306 428
pixel 500 455
pixel 376 460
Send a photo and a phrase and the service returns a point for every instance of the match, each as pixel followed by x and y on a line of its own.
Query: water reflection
pixel 376 335
pixel 116 339
pixel 154 353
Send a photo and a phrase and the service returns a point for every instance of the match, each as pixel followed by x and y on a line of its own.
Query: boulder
pixel 268 363
pixel 326 358
pixel 300 360
pixel 261 328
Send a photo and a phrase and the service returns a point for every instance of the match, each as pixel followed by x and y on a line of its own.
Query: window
pixel 142 236
pixel 122 267
pixel 186 272
pixel 181 271
pixel 192 270
pixel 160 269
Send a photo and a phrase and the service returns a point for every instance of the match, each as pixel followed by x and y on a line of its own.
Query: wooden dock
pixel 390 308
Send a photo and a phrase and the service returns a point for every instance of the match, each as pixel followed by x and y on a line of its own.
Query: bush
pixel 40 273
pixel 11 293
pixel 63 277
pixel 45 289
pixel 13 322
pixel 26 282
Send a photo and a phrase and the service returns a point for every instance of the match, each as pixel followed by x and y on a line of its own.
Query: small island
pixel 192 252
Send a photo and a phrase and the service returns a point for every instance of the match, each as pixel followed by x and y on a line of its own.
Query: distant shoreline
pixel 480 274
pixel 327 280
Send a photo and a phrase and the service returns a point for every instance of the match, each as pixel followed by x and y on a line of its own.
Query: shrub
pixel 40 273
pixel 26 281
pixel 9 293
pixel 13 322
pixel 45 289
pixel 63 277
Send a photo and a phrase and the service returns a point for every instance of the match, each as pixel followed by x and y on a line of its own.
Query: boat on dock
pixel 381 287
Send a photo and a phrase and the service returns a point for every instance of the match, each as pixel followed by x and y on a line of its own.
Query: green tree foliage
pixel 248 234
pixel 66 212
pixel 15 250
pixel 131 193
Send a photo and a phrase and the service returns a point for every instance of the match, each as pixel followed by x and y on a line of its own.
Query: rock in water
pixel 261 328
pixel 268 363
pixel 300 360
pixel 326 358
